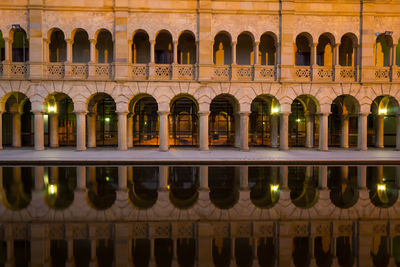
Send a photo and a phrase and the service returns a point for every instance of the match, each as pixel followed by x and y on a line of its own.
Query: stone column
pixel 68 62
pixel 234 53
pixel 204 178
pixel 244 131
pixel 309 131
pixel 7 45
pixel 323 131
pixel 91 128
pixel 39 130
pixel 81 178
pixel 203 136
pixel 16 129
pixel 344 134
pixel 314 59
pixel 274 130
pixel 152 47
pixel 362 131
pixel 337 45
pixel 256 49
pixel 176 52
pixel 362 177
pixel 93 58
pixel 164 173
pixel 122 132
pixel 80 130
pixel 284 131
pixel 53 131
pixel 379 131
pixel 129 132
pixel 397 131
pixel 163 128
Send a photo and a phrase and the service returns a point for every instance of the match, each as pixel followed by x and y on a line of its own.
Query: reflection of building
pixel 240 216
pixel 136 74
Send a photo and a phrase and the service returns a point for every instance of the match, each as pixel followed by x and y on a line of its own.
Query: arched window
pixel 267 50
pixel 325 50
pixel 383 46
pixel 183 122
pixel 145 122
pixel 2 47
pixel 187 48
pixel 20 46
pixel 104 47
pixel 222 49
pixel 140 48
pixel 347 50
pixel 244 50
pixel 164 53
pixel 57 46
pixel 222 121
pixel 81 47
pixel 303 49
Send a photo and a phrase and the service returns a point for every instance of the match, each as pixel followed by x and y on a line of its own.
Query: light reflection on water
pixel 165 215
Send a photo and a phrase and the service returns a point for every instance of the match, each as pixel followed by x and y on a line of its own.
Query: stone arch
pixel 326 43
pixel 303 49
pixel 267 49
pixel 104 46
pixel 140 47
pixel 245 48
pixel 187 47
pixel 57 45
pixel 81 45
pixel 347 49
pixel 222 48
pixel 163 47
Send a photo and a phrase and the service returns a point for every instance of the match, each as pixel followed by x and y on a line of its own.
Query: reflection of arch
pixel 187 48
pixel 59 187
pixel 140 47
pixel 266 251
pixel 223 121
pixel 265 192
pixel 223 184
pixel 221 251
pixel 183 121
pixel 303 47
pixel 186 251
pixel 183 186
pixel 163 251
pixel 303 186
pixel 142 186
pixel 244 49
pixel 141 251
pixel 164 53
pixel 263 125
pixel 381 181
pixel 345 250
pixel 343 184
pixel 243 251
pixel 17 187
pixel 301 251
pixel 222 49
pixel 102 184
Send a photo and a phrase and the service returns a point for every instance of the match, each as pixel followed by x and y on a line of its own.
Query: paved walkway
pixel 111 156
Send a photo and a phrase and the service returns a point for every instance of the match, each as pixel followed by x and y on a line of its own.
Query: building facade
pixel 200 73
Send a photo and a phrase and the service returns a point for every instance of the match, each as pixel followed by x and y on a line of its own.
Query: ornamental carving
pixel 397 228
pixel 323 229
pixel 267 72
pixel 160 230
pixel 222 73
pixel 185 72
pixel 18 70
pixel 79 71
pixel 19 231
pixel 139 230
pixel 221 229
pixel 382 74
pixel 55 70
pixel 241 229
pixel 345 229
pixel 380 229
pixel 139 72
pixel 266 230
pixel 347 73
pixel 56 231
pixel 184 230
pixel 300 229
pixel 103 71
pixel 103 231
pixel 162 72
pixel 79 231
pixel 303 73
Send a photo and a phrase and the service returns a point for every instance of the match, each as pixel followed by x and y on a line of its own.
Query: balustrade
pixel 222 73
pixel 139 72
pixel 302 73
pixel 19 70
pixel 79 70
pixel 345 74
pixel 322 73
pixel 55 70
pixel 184 72
pixel 265 73
pixel 103 71
pixel 161 72
pixel 242 73
pixel 382 74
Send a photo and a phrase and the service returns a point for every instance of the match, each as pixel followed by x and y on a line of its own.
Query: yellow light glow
pixel 274 187
pixel 168 187
pixel 381 187
pixel 274 110
pixel 107 119
pixel 52 108
pixel 382 111
pixel 52 189
pixel 298 120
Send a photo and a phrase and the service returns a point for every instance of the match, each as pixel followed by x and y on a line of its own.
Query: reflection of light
pixel 274 187
pixel 52 189
pixel 381 187
pixel 168 187
pixel 107 119
pixel 145 123
pixel 298 120
pixel 382 111
pixel 274 110
pixel 107 178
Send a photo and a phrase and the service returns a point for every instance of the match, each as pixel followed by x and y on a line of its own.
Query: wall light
pixel 275 110
pixel 298 120
pixel 107 119
pixel 274 187
pixel 382 111
pixel 381 187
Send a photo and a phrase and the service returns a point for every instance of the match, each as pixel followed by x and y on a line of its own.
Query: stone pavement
pixel 189 156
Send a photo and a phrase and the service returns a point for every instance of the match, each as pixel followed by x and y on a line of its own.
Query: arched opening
pixel 343 122
pixel 144 121
pixel 59 121
pixel 22 252
pixel 141 251
pixel 102 184
pixel 264 121
pixel 82 252
pixel 303 122
pixel 347 50
pixel 164 53
pixel 142 186
pixel 380 250
pixel 342 181
pixel 20 46
pixel 183 122
pixel 105 252
pixel 163 251
pixel 81 47
pixel 243 251
pixel 245 49
pixel 382 122
pixel 18 183
pixel 183 184
pixel 222 127
pixel 60 183
pixel 267 251
pixel 187 48
pixel 58 252
pixel 222 49
pixel 102 121
pixel 303 49
pixel 18 121
pixel 381 181
pixel 264 186
pixel 396 249
pixel 345 250
pixel 267 49
pixel 303 185
pixel 224 186
pixel 383 48
pixel 57 46
pixel 140 48
pixel 325 50
pixel 323 250
pixel 221 251
pixel 301 251
pixel 186 251
pixel 2 47
pixel 104 47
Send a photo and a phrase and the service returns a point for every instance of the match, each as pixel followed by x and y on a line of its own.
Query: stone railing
pixel 103 71
pixel 265 73
pixel 302 73
pixel 242 73
pixel 345 74
pixel 18 70
pixel 79 70
pixel 55 70
pixel 161 72
pixel 323 73
pixel 184 72
pixel 139 71
pixel 222 73
pixel 382 74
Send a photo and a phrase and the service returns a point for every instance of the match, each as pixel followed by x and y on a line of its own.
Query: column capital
pixel 244 113
pixel 69 41
pixel 93 41
pixel 284 113
pixel 80 112
pixel 37 112
pixel 324 113
pixel 315 44
pixel 207 113
pixel 163 112
pixel 257 42
pixel 234 43
pixel 152 41
pixel 122 112
pixel 337 44
pixel 364 113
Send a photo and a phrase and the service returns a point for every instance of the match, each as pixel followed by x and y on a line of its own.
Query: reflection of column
pixel 152 260
pixel 233 256
pixel 244 131
pixel 53 121
pixel 379 131
pixel 122 177
pixel 204 178
pixel 39 178
pixel 244 177
pixel 283 173
pixel 163 130
pixel 274 130
pixel 344 134
pixel 309 131
pixel 204 130
pixel 1 130
pixel 91 128
pixel 397 131
pixel 164 171
pixel 152 44
pixel 70 250
pixel 284 131
pixel 234 53
pixel 16 129
pixel 174 262
pixel 323 177
pixel 323 131
pixel 40 247
pixel 39 131
pixel 81 177
pixel 122 132
pixel 362 131
pixel 80 130
pixel 129 132
pixel 93 247
pixel 362 177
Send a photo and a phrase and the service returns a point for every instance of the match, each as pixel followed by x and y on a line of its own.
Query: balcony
pixel 139 72
pixel 302 73
pixel 18 70
pixel 345 74
pixel 184 72
pixel 322 73
pixel 55 70
pixel 103 71
pixel 382 74
pixel 242 73
pixel 79 71
pixel 222 73
pixel 265 73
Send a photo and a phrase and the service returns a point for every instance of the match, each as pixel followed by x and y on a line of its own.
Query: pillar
pixel 69 42
pixel 16 129
pixel 274 130
pixel 397 131
pixel 163 128
pixel 164 173
pixel 203 130
pixel 234 53
pixel 256 49
pixel 344 134
pixel 80 131
pixel 337 54
pixel 379 131
pixel 309 131
pixel 323 131
pixel 122 132
pixel 176 52
pixel 91 128
pixel 152 47
pixel 92 50
pixel 204 178
pixel 53 121
pixel 244 131
pixel 314 50
pixel 129 133
pixel 39 131
pixel 81 177
pixel 362 131
pixel 7 45
pixel 284 131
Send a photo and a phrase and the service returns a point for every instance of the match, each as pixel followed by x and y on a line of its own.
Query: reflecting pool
pixel 200 215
